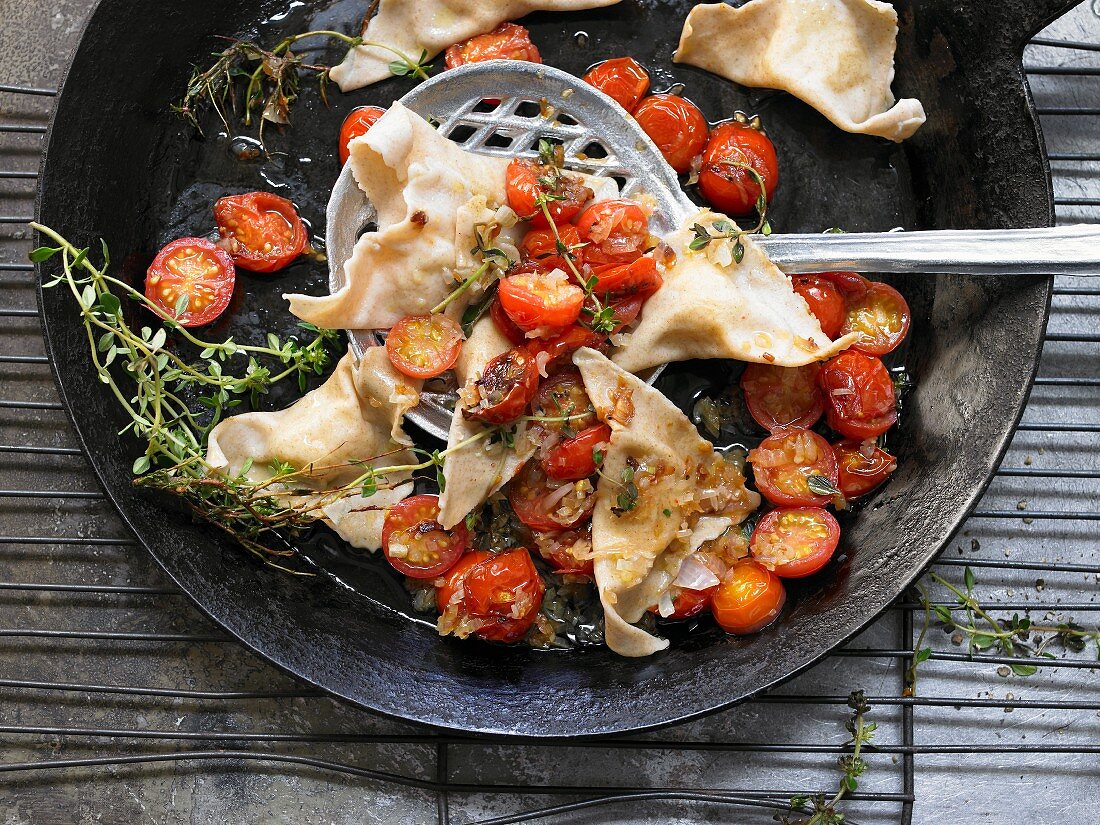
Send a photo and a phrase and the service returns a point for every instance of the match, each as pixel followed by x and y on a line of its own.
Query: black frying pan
pixel 120 166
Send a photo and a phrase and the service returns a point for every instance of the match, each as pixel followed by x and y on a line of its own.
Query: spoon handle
pixel 1061 250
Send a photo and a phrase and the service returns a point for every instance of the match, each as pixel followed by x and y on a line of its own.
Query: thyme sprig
pixel 728 230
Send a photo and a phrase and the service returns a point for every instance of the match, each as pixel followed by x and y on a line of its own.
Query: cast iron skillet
pixel 120 166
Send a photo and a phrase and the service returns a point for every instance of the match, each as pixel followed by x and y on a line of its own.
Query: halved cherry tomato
pixel 448 588
pixel 639 278
pixel 494 597
pixel 623 79
pixel 677 127
pixel 859 395
pixel 731 188
pixel 574 458
pixel 626 310
pixel 506 42
pixel 261 231
pixel 849 283
pixel 506 325
pixel 615 231
pixel 506 386
pixel 541 247
pixel 795 541
pixel 356 124
pixel 557 547
pixel 880 316
pixel 543 504
pixel 686 602
pixel 863 467
pixel 824 300
pixel 424 346
pixel 196 268
pixel 559 349
pixel 783 397
pixel 527 180
pixel 534 300
pixel 414 541
pixel 784 462
pixel 562 397
pixel 748 599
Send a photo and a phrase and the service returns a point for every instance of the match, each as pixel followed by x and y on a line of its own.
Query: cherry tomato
pixel 783 397
pixel 639 278
pixel 784 462
pixel 543 504
pixel 559 349
pixel 534 300
pixel 676 126
pixel 623 79
pixel 795 541
pixel 849 283
pixel 506 386
pixel 859 395
pixel 524 186
pixel 541 247
pixel 733 189
pixel 494 597
pixel 506 42
pixel 615 231
pixel 261 231
pixel 748 599
pixel 626 311
pixel 561 397
pixel 557 547
pixel 880 316
pixel 356 124
pixel 686 602
pixel 424 346
pixel 863 467
pixel 414 541
pixel 506 325
pixel 196 268
pixel 574 458
pixel 825 301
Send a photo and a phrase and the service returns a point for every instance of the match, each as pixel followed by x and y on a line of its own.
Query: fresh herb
pixel 727 230
pixel 821 486
pixel 405 66
pixel 474 311
pixel 597 456
pixel 627 499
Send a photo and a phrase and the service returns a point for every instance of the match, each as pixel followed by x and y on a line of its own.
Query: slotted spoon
pixel 600 138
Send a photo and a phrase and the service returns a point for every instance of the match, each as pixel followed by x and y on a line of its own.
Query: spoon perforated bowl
pixel 504 108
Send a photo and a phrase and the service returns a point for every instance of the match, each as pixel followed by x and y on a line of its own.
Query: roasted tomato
pixel 261 232
pixel 615 231
pixel 623 79
pixel 414 541
pixel 506 42
pixel 784 463
pixel 543 504
pixel 506 386
pixel 731 188
pixel 541 247
pixel 563 404
pixel 783 397
pixel 541 300
pixel 527 180
pixel 849 283
pixel 859 395
pixel 863 467
pixel 686 602
pixel 554 353
pixel 824 300
pixel 494 597
pixel 676 126
pixel 356 124
pixel 795 541
pixel 626 310
pixel 639 278
pixel 575 458
pixel 749 598
pixel 424 346
pixel 196 268
pixel 562 547
pixel 505 324
pixel 880 316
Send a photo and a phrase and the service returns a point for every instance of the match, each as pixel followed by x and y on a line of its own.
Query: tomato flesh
pixel 795 541
pixel 564 405
pixel 825 301
pixel 732 189
pixel 686 602
pixel 859 395
pixel 541 300
pixel 198 269
pixel 557 547
pixel 615 231
pixel 676 125
pixel 541 247
pixel 574 458
pixel 559 349
pixel 506 42
pixel 424 346
pixel 749 598
pixel 863 466
pixel 623 79
pixel 496 597
pixel 784 462
pixel 879 316
pixel 506 386
pixel 415 543
pixel 506 325
pixel 357 124
pixel 783 397
pixel 525 183
pixel 261 231
pixel 540 504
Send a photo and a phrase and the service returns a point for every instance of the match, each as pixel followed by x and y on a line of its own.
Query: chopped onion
pixel 541 360
pixel 694 575
pixel 665 606
pixel 554 497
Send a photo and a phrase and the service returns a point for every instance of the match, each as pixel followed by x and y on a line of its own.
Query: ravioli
pixel 712 307
pixel 432 26
pixel 835 55
pixel 428 193
pixel 686 494
pixel 361 408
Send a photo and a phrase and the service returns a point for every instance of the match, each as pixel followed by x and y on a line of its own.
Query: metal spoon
pixel 600 138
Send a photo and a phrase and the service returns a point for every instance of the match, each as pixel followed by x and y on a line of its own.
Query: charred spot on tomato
pixel 504 389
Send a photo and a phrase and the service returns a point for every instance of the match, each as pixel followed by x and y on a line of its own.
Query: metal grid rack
pixel 120 703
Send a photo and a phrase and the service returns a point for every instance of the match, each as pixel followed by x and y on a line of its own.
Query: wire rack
pixel 119 702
